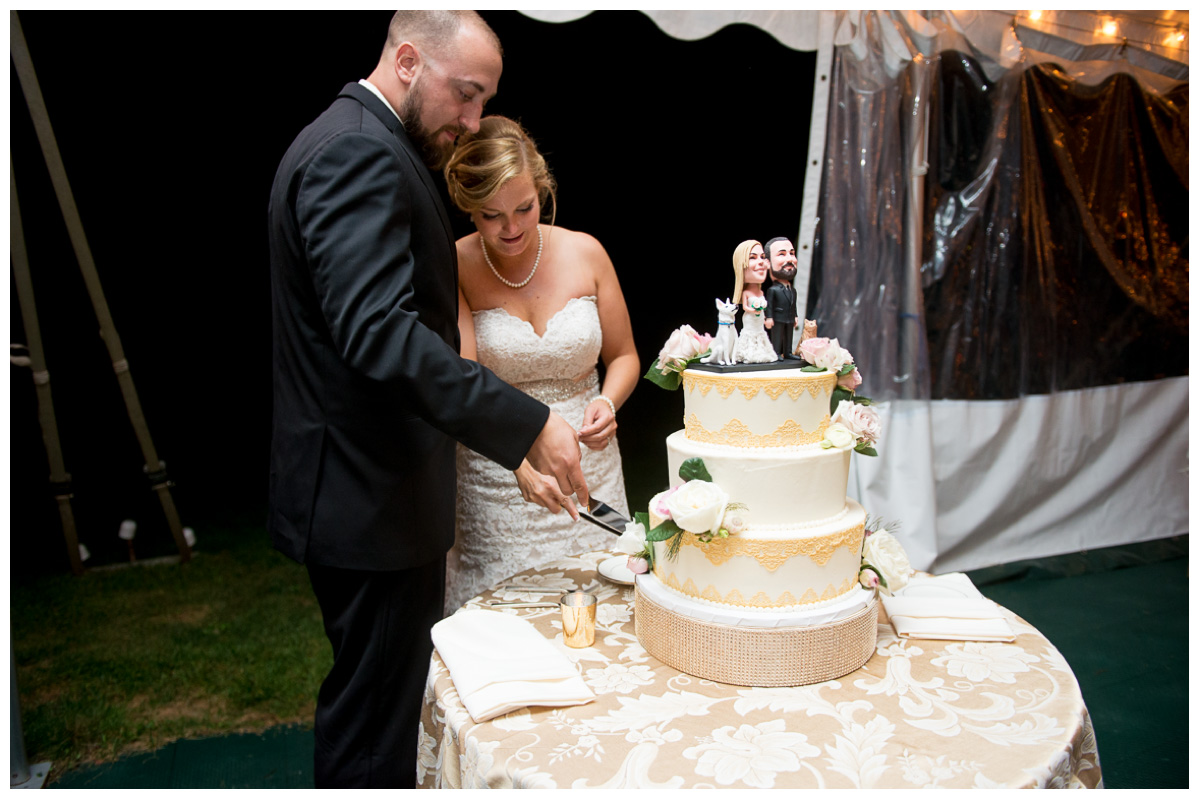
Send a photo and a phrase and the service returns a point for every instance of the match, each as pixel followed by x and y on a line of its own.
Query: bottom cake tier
pixel 755 648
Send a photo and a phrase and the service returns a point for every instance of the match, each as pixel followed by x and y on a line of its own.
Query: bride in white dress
pixel 539 305
pixel 750 266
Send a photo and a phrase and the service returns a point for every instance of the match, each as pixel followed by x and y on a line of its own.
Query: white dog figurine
pixel 726 338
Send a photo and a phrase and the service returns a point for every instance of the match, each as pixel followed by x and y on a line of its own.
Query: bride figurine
pixel 750 267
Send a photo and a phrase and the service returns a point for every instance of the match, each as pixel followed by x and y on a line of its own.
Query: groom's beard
pixel 434 151
pixel 784 274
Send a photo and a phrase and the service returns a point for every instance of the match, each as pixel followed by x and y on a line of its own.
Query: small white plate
pixel 614 569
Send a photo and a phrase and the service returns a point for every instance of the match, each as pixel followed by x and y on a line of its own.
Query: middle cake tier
pixel 784 488
pixel 777 570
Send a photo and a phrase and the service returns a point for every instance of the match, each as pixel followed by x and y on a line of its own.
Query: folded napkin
pixel 946 607
pixel 499 663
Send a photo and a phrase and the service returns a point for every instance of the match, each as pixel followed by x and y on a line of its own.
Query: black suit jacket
pixel 369 391
pixel 781 303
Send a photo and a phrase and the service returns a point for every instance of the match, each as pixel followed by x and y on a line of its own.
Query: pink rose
pixel 851 380
pixel 822 352
pixel 638 566
pixel 733 522
pixel 659 504
pixel 812 349
pixel 868 579
pixel 682 345
pixel 862 421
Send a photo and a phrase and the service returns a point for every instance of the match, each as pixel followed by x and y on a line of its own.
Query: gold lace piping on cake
pixel 815 383
pixel 737 433
pixel 760 599
pixel 772 554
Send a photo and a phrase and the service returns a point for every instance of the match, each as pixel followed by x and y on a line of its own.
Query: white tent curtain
pixel 974 482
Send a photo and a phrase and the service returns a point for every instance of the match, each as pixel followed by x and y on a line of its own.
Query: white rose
pixel 698 506
pixel 633 540
pixel 837 435
pixel 860 420
pixel 883 552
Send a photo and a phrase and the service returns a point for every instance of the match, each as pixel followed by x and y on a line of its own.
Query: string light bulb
pixel 1109 27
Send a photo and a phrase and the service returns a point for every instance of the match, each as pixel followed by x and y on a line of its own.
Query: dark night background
pixel 171 125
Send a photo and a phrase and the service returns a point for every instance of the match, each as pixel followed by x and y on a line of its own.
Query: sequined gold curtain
pixel 1053 219
pixel 1075 273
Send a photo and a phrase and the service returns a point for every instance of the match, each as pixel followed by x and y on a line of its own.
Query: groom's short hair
pixel 771 244
pixel 434 29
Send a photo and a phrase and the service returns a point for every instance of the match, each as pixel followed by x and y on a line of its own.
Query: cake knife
pixel 602 514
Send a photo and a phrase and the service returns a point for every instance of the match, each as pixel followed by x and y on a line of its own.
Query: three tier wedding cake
pixel 754 571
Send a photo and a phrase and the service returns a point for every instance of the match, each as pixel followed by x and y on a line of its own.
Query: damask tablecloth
pixel 918 714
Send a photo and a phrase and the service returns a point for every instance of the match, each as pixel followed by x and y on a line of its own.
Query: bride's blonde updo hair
pixel 484 161
pixel 741 260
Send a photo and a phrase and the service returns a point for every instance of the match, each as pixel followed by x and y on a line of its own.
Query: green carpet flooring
pixel 1119 616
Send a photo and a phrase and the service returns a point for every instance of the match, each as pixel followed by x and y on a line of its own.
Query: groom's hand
pixel 555 452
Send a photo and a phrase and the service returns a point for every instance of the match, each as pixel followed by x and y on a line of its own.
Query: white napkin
pixel 946 607
pixel 499 663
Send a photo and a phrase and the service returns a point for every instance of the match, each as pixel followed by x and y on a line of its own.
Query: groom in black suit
pixel 370 394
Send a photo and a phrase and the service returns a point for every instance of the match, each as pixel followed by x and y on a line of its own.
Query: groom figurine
pixel 370 393
pixel 781 296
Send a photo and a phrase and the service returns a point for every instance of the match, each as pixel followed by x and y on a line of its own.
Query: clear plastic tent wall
pixel 1007 228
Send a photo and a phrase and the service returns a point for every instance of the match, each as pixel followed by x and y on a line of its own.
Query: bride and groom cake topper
pixel 769 316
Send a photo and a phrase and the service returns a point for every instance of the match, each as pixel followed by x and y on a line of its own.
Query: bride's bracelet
pixel 612 407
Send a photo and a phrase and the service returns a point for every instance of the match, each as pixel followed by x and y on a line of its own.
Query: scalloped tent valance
pixel 1152 40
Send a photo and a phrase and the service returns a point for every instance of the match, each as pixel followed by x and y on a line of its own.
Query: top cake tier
pixel 776 408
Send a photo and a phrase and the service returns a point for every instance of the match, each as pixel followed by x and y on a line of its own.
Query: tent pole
pixel 60 479
pixel 911 308
pixel 814 167
pixel 156 471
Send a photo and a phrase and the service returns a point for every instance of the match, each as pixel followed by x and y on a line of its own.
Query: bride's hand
pixel 543 490
pixel 599 425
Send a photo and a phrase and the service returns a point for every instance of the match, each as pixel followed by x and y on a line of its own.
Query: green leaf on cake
pixel 839 394
pixel 846 369
pixel 669 380
pixel 812 368
pixel 865 449
pixel 694 470
pixel 642 518
pixel 665 531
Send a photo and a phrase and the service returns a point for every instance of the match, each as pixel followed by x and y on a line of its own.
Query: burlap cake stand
pixel 745 656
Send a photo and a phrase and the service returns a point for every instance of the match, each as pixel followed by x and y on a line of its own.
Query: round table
pixel 918 714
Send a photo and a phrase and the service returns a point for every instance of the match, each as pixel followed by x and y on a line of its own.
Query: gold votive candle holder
pixel 578 619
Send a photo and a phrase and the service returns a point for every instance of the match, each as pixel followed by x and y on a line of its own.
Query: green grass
pixel 122 661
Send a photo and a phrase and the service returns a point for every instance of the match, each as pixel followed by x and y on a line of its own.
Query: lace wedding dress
pixel 497 533
pixel 753 345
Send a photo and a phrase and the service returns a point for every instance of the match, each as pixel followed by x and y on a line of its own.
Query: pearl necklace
pixel 537 260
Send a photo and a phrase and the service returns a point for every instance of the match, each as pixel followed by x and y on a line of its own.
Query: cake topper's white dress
pixel 753 344
pixel 497 533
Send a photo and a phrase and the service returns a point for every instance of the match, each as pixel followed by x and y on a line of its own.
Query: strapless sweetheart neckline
pixel 549 322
